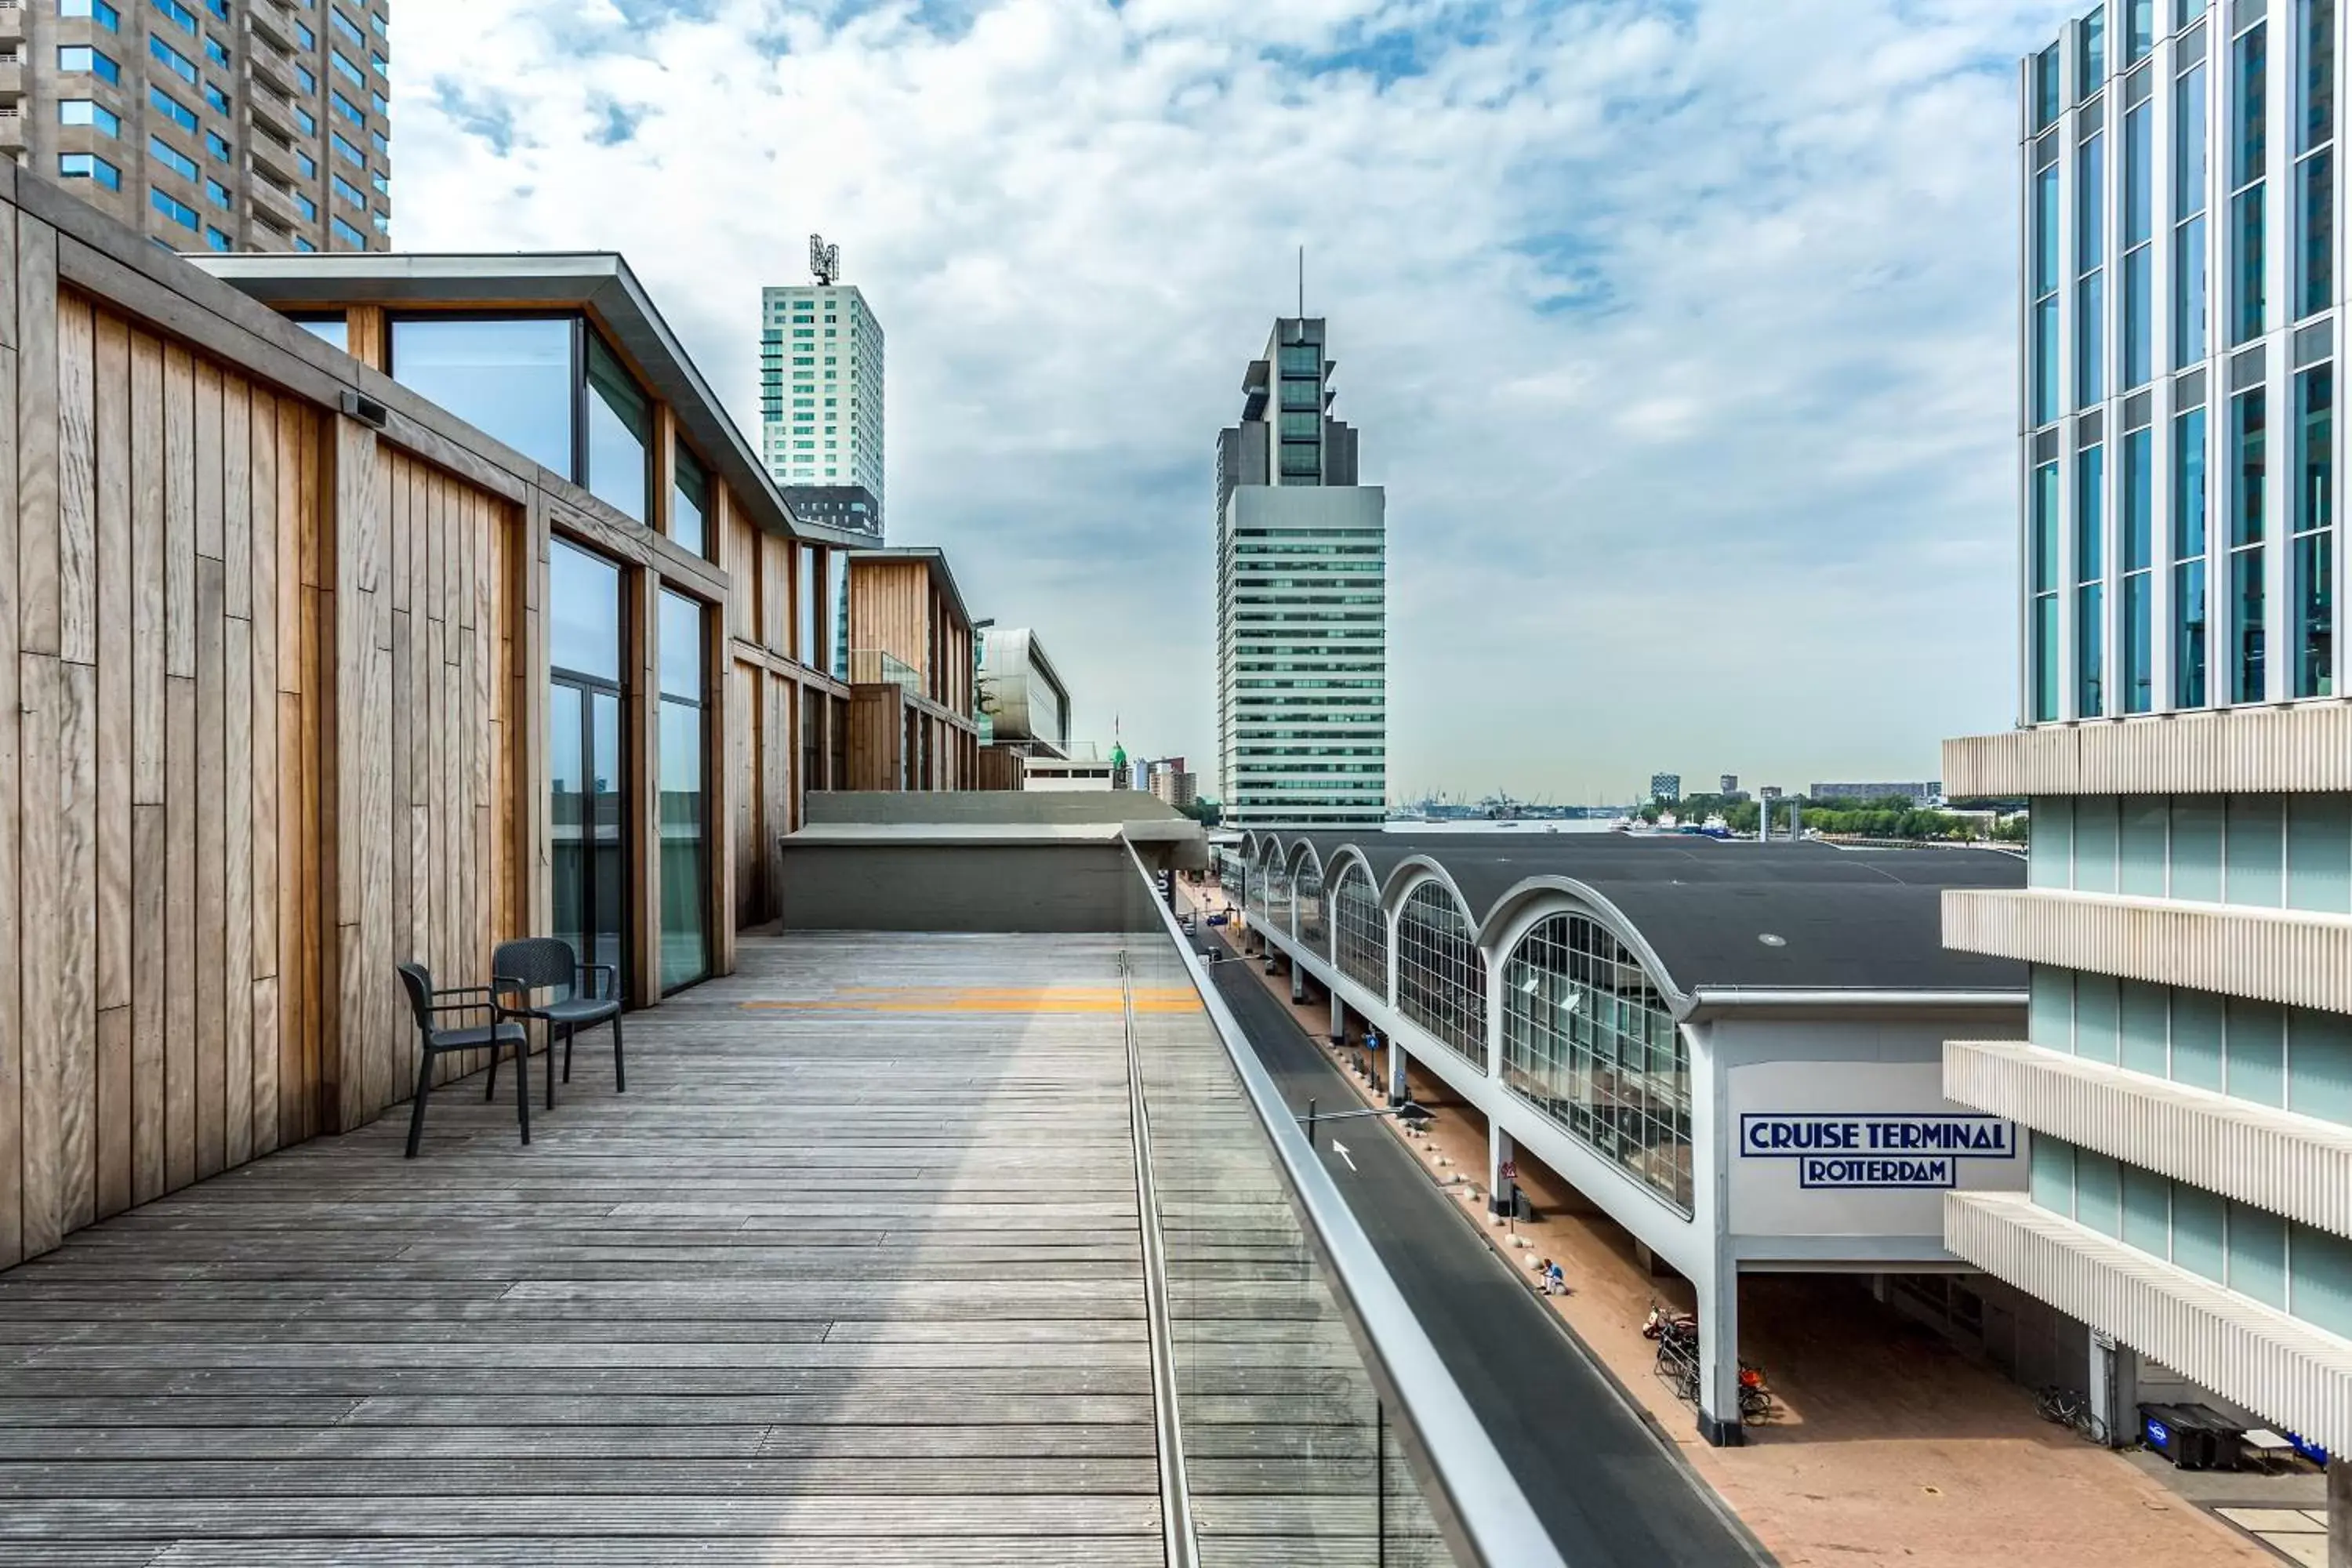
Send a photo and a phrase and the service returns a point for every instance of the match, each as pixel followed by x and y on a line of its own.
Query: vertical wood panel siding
pixel 214 707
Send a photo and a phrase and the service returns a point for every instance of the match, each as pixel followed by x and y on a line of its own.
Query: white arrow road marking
pixel 1341 1150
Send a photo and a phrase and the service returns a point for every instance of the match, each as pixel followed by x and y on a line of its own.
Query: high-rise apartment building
pixel 1664 787
pixel 821 401
pixel 2187 1071
pixel 1302 622
pixel 208 124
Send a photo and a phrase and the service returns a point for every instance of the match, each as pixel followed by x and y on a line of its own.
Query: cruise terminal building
pixel 1732 1050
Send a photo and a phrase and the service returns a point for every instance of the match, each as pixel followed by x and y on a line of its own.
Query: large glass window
pixel 512 377
pixel 2046 225
pixel 2314 172
pixel 1441 974
pixel 2044 551
pixel 1360 931
pixel 689 502
pixel 587 821
pixel 2249 152
pixel 2139 29
pixel 2188 535
pixel 2139 248
pixel 2188 250
pixel 2315 532
pixel 685 862
pixel 1588 1041
pixel 2089 291
pixel 620 432
pixel 1306 890
pixel 808 599
pixel 2135 532
pixel 2090 618
pixel 2249 474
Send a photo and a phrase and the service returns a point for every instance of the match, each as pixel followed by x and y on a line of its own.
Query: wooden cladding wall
pixel 205 815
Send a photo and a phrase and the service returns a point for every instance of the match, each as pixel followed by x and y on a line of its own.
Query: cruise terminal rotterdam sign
pixel 1859 1149
pixel 1876 1149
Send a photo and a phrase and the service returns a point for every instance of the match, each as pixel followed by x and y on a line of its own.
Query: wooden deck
pixel 845 1278
pixel 852 1275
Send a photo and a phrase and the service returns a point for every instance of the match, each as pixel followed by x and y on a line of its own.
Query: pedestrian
pixel 1555 1281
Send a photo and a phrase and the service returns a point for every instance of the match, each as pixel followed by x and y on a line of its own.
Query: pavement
pixel 1611 1493
pixel 1887 1444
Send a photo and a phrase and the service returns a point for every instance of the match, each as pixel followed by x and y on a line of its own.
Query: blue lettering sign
pixel 1862 1171
pixel 1798 1135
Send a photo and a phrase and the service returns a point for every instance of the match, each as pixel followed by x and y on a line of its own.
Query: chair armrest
pixel 611 993
pixel 506 986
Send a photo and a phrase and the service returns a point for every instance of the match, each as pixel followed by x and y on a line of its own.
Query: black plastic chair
pixel 548 964
pixel 429 1005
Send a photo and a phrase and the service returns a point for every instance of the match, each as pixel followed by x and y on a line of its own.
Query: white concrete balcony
pixel 2291 1165
pixel 2222 751
pixel 2292 957
pixel 2288 1371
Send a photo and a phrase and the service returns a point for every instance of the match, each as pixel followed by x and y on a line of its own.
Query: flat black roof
pixel 1845 920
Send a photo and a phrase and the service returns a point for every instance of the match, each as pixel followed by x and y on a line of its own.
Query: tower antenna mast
pixel 1302 282
pixel 824 260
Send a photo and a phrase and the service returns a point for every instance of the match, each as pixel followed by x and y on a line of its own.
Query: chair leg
pixel 620 1078
pixel 490 1089
pixel 522 1082
pixel 416 1109
pixel 567 1030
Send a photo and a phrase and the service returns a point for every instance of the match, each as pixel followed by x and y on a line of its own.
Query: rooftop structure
pixel 1025 706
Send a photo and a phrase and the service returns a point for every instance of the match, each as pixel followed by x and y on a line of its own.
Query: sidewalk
pixel 1889 1446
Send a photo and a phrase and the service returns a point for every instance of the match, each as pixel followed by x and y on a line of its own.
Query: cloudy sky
pixel 1680 333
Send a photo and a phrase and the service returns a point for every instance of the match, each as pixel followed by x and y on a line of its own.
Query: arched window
pixel 1306 888
pixel 1277 894
pixel 1441 974
pixel 1362 931
pixel 1588 1041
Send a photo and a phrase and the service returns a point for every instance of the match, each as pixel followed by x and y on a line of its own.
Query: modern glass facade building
pixel 821 401
pixel 2186 1071
pixel 1302 618
pixel 217 125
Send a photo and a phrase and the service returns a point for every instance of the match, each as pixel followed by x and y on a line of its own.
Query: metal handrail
pixel 1476 1501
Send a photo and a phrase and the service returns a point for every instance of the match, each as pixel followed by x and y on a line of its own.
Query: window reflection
pixel 584 623
pixel 689 502
pixel 685 887
pixel 510 377
pixel 1588 1041
pixel 619 426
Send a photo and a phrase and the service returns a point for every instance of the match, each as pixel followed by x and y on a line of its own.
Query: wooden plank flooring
pixel 857 1283
pixel 852 1275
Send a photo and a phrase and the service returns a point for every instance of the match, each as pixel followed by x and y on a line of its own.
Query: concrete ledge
pixel 2281 1367
pixel 2289 1164
pixel 2290 956
pixel 2240 750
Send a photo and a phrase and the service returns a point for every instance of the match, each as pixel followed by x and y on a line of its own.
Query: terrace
pixel 901 1247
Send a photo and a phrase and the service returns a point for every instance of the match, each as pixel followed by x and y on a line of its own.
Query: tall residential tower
pixel 1302 630
pixel 2186 1069
pixel 821 396
pixel 209 125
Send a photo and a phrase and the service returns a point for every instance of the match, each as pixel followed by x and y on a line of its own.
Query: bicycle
pixel 2070 1409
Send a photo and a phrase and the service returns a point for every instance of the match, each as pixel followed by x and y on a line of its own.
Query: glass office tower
pixel 2187 1074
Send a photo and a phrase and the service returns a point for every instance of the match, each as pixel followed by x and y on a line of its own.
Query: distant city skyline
pixel 1694 410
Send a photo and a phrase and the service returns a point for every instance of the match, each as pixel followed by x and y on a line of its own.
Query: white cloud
pixel 1681 334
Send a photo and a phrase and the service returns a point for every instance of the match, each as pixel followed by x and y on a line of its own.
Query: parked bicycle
pixel 1678 1363
pixel 2069 1408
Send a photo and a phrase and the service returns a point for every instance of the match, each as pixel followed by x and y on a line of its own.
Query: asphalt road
pixel 1609 1490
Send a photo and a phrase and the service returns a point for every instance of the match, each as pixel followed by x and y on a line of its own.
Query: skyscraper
pixel 212 124
pixel 2186 1069
pixel 1302 628
pixel 821 396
